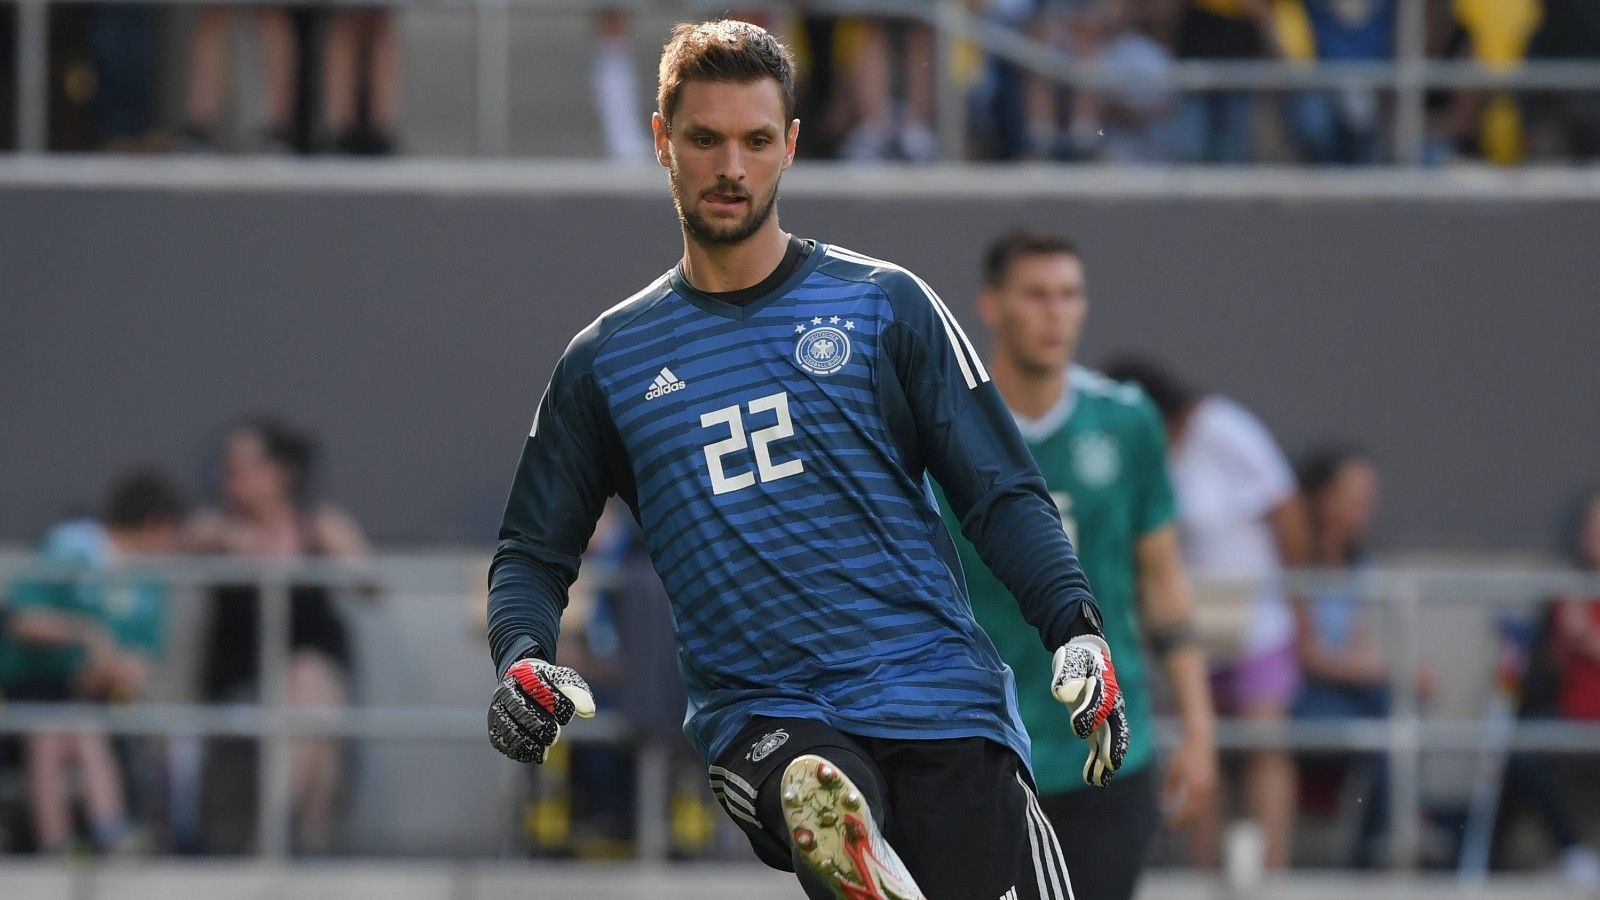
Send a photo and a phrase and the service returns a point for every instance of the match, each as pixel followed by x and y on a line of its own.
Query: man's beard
pixel 708 234
pixel 1039 363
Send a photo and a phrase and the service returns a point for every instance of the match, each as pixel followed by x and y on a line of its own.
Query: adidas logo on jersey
pixel 665 383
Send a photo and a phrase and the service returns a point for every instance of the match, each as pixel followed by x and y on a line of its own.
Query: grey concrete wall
pixel 414 331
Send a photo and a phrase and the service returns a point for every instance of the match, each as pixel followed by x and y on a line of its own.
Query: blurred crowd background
pixel 103 625
pixel 375 79
pixel 269 642
pixel 120 613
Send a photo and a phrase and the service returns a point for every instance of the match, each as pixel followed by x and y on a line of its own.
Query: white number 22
pixel 721 482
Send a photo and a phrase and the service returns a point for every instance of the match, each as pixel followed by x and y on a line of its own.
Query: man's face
pixel 1036 313
pixel 725 149
pixel 159 537
pixel 152 538
pixel 1348 503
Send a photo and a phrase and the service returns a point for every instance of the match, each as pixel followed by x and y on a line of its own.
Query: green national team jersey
pixel 1103 454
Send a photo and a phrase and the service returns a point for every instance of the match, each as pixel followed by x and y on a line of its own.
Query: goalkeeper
pixel 770 410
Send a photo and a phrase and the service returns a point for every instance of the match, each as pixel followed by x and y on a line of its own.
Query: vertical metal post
pixel 494 77
pixel 949 29
pixel 1411 115
pixel 651 803
pixel 33 75
pixel 273 810
pixel 1405 750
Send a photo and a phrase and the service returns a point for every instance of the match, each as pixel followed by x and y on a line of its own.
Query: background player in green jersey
pixel 1102 450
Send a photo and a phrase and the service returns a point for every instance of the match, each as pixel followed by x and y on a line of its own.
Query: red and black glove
pixel 1086 682
pixel 530 706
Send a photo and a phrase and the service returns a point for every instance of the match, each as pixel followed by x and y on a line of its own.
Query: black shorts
pixel 1106 833
pixel 960 813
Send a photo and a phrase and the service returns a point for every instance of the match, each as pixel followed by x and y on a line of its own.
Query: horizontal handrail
pixel 1371 735
pixel 464 571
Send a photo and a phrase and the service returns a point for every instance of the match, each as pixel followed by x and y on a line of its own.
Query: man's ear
pixel 658 132
pixel 789 142
pixel 989 306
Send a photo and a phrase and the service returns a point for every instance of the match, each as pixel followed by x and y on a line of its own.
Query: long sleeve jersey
pixel 776 455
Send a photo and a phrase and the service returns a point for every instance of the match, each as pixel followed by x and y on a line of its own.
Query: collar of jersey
pixel 1036 431
pixel 712 305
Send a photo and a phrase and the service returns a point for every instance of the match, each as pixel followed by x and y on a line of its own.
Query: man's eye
pixel 702 140
pixel 759 142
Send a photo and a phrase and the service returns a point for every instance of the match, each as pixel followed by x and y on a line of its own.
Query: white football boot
pixel 833 829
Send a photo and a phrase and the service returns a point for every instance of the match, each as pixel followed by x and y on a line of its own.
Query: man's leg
pixel 1268 685
pixel 833 831
pixel 963 816
pixel 46 755
pixel 103 793
pixel 1270 784
pixel 822 772
pixel 1105 833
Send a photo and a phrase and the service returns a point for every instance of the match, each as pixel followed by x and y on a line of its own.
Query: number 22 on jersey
pixel 760 440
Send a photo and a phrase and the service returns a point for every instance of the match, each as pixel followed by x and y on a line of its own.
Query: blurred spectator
pixel 1021 114
pixel 1007 99
pixel 361 81
pixel 1218 126
pixel 1568 122
pixel 1342 126
pixel 1239 520
pixel 818 104
pixel 209 75
pixel 94 641
pixel 1341 648
pixel 1452 114
pixel 615 80
pixel 269 511
pixel 1578 619
pixel 1561 680
pixel 1578 653
pixel 1135 122
pixel 1500 31
pixel 885 129
pixel 122 41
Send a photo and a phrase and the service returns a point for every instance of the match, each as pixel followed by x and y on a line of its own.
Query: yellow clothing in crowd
pixel 1500 31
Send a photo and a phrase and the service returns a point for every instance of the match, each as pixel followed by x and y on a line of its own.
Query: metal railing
pixel 1400 595
pixel 1408 76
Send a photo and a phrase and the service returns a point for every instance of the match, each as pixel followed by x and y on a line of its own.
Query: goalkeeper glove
pixel 1086 682
pixel 530 706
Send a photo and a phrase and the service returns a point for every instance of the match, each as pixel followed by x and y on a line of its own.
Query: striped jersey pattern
pixel 776 467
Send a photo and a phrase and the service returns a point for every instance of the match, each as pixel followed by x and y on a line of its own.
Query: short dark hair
pixel 1013 245
pixel 723 50
pixel 144 497
pixel 1316 474
pixel 1319 467
pixel 1171 395
pixel 289 447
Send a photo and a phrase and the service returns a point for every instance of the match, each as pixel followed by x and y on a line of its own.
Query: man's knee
pixel 862 772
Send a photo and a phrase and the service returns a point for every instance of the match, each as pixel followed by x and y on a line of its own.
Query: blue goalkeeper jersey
pixel 776 456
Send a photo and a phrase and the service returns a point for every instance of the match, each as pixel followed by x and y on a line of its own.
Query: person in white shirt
pixel 1240 523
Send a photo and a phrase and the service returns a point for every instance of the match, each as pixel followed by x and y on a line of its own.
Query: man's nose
pixel 730 163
